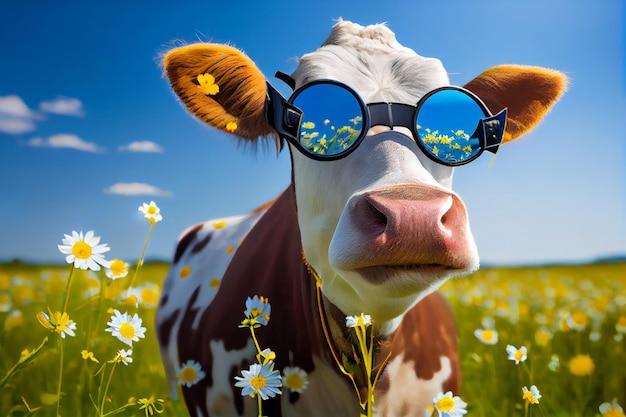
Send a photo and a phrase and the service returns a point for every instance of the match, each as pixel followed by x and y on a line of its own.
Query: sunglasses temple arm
pixel 282 116
pixel 493 128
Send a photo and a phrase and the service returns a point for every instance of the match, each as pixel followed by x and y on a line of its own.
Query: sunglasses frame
pixel 286 119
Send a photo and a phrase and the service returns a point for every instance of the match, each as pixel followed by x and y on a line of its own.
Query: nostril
pixel 368 217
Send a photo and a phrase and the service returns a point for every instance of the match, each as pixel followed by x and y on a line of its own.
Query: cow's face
pixel 381 226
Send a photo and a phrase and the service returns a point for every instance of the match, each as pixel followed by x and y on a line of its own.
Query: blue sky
pixel 84 108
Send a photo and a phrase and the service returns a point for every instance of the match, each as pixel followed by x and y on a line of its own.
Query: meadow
pixel 570 320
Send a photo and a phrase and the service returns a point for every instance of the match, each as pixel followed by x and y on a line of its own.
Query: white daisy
pixel 190 373
pixel 295 379
pixel 126 328
pixel 260 379
pixel 125 356
pixel 515 354
pixel 362 320
pixel 84 252
pixel 448 405
pixel 151 212
pixel 117 269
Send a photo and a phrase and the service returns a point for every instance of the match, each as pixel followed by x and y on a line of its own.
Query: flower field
pixel 543 341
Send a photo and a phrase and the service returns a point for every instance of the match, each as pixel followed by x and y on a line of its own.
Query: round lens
pixel 332 118
pixel 447 123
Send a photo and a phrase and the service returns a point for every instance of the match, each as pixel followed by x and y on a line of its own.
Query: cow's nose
pixel 414 225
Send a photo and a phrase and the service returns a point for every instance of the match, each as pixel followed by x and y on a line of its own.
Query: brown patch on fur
pixel 427 333
pixel 185 241
pixel 242 88
pixel 527 92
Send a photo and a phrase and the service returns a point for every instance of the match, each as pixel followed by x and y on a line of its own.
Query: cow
pixel 369 223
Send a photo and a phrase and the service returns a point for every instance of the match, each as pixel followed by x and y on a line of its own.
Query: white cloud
pixel 63 105
pixel 15 125
pixel 65 140
pixel 142 146
pixel 136 188
pixel 14 106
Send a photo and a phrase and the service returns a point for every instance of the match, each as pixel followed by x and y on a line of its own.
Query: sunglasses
pixel 327 120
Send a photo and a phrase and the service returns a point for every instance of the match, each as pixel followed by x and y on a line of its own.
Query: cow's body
pixel 269 254
pixel 379 230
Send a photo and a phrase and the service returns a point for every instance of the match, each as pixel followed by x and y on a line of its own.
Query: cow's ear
pixel 527 92
pixel 221 86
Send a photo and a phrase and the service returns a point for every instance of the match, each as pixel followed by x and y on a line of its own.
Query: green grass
pixel 519 300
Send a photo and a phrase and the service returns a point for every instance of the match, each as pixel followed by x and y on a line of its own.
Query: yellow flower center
pixel 294 381
pixel 149 296
pixel 151 210
pixel 118 267
pixel 257 382
pixel 580 318
pixel 127 330
pixel 518 355
pixel 188 374
pixel 530 397
pixel 256 312
pixel 488 335
pixel 613 412
pixel 81 250
pixel 446 404
pixel 542 337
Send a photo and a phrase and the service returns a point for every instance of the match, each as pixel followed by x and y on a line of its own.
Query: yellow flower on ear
pixel 207 84
pixel 231 127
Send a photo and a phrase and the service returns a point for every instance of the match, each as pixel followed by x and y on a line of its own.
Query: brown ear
pixel 527 92
pixel 220 86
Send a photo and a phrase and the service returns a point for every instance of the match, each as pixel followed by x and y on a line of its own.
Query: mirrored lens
pixel 447 124
pixel 332 119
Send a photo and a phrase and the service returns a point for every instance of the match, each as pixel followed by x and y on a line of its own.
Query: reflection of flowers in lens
pixel 449 148
pixel 330 140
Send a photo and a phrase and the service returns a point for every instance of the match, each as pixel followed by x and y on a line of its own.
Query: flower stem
pixel 60 376
pixel 256 342
pixel 106 389
pixel 67 290
pixel 260 405
pixel 143 254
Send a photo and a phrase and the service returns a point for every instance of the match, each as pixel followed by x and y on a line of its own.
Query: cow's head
pixel 379 221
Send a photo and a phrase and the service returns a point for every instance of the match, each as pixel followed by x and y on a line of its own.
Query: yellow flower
pixel 308 125
pixel 543 336
pixel 206 82
pixel 185 271
pixel 579 320
pixel 88 355
pixel 531 395
pixel 231 126
pixel 5 302
pixel 151 405
pixel 14 319
pixel 57 322
pixel 581 365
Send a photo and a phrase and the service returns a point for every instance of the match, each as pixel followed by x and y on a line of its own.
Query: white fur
pixel 405 385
